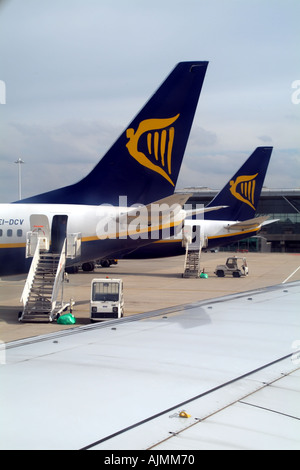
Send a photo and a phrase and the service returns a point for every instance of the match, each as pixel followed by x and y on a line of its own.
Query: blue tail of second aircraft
pixel 144 162
pixel 242 192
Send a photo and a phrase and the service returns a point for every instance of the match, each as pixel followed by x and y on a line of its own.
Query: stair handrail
pixel 59 276
pixel 185 256
pixel 31 274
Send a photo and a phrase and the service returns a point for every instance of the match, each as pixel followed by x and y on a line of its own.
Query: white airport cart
pixel 234 266
pixel 107 300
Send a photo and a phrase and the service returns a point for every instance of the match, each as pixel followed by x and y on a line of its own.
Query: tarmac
pixel 149 285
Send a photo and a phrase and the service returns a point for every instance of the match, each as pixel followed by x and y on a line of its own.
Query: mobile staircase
pixel 192 261
pixel 42 295
pixel 193 243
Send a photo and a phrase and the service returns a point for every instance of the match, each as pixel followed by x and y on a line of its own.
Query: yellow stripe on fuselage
pixel 234 234
pixel 132 232
pixel 13 245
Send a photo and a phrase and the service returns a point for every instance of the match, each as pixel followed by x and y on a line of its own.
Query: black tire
pixel 236 274
pixel 220 273
pixel 71 269
pixel 88 267
pixel 105 263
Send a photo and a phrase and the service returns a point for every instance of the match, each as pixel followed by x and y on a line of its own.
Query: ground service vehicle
pixel 107 300
pixel 235 266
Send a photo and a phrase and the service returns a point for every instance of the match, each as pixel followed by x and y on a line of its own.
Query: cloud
pixel 265 138
pixel 201 137
pixel 284 169
pixel 54 155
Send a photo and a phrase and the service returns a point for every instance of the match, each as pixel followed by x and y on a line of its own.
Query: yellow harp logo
pixel 159 145
pixel 243 189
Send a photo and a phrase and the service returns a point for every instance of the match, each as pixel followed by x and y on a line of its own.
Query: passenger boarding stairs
pixel 192 262
pixel 42 296
pixel 193 243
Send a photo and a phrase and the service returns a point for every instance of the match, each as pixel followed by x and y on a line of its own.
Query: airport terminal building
pixel 283 204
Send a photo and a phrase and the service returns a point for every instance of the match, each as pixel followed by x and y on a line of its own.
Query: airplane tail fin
pixel 144 163
pixel 241 194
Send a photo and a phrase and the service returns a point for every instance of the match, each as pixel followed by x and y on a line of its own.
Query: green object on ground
pixel 67 319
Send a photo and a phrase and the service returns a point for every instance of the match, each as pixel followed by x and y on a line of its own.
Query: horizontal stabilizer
pixel 271 221
pixel 158 210
pixel 203 210
pixel 248 224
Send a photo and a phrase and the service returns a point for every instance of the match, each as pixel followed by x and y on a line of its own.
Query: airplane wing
pixel 216 374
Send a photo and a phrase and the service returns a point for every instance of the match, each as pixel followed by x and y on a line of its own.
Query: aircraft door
pixel 58 232
pixel 39 230
pixel 196 236
pixel 193 235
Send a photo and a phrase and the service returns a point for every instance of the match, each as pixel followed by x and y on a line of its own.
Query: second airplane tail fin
pixel 144 162
pixel 241 194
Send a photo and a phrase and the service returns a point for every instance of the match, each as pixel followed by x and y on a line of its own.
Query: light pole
pixel 19 162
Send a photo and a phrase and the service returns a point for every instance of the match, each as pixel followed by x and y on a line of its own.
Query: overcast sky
pixel 77 71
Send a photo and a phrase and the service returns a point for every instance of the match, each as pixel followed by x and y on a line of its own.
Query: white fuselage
pixel 101 232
